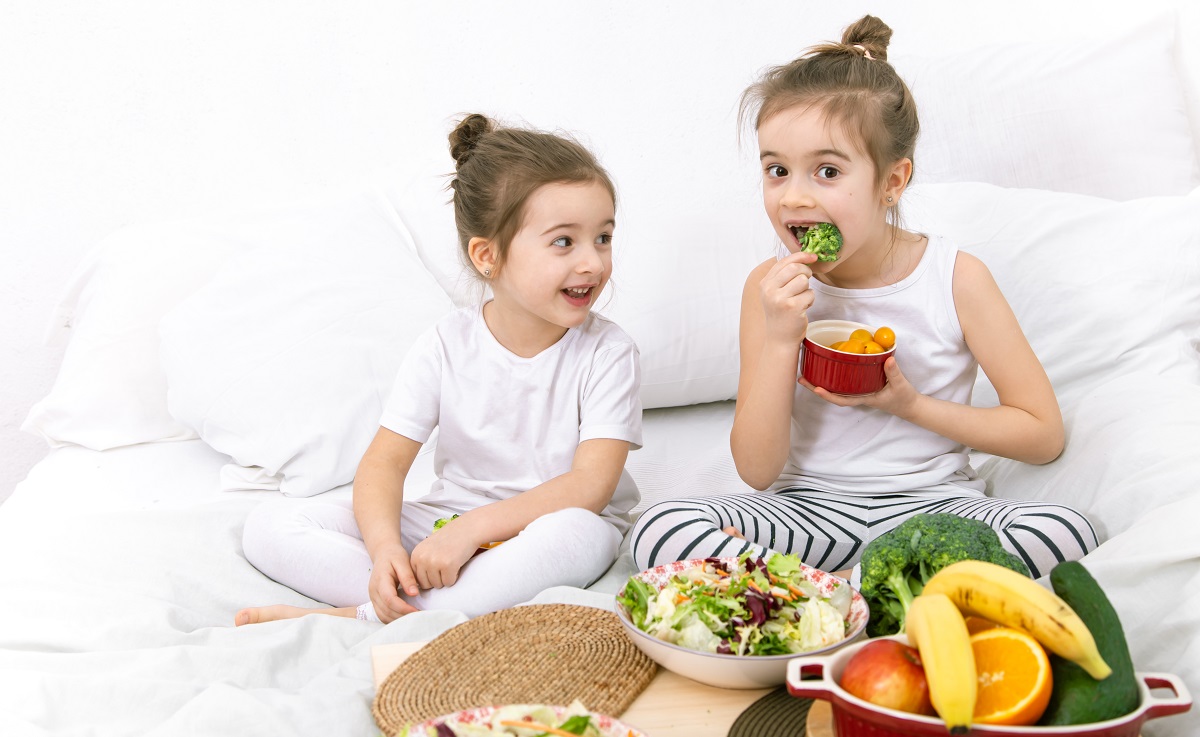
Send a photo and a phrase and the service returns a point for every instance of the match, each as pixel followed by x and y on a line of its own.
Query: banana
pixel 936 627
pixel 994 592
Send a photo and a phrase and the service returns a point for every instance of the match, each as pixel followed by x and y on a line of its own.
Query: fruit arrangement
pixel 863 341
pixel 991 646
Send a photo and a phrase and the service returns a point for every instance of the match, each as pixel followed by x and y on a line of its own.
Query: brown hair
pixel 498 168
pixel 854 85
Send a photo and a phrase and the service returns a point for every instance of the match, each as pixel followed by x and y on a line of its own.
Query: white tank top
pixel 860 450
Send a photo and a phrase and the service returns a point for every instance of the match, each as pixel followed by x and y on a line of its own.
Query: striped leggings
pixel 828 530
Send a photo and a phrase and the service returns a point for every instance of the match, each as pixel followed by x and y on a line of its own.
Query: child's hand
pixel 437 559
pixel 786 297
pixel 391 572
pixel 894 398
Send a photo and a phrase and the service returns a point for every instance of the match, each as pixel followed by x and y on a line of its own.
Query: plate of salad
pixel 524 720
pixel 735 622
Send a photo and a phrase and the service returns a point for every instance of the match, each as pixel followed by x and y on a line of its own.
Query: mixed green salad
pixel 744 606
pixel 522 720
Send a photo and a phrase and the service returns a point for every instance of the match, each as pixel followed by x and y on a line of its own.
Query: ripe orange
pixel 1014 677
pixel 885 337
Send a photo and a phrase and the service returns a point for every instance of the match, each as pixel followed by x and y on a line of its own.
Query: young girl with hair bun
pixel 536 402
pixel 836 130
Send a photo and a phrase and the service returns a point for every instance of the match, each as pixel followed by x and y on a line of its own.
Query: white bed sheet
pixel 121 570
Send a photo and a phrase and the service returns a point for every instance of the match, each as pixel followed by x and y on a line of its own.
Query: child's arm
pixel 1027 426
pixel 595 470
pixel 378 496
pixel 774 318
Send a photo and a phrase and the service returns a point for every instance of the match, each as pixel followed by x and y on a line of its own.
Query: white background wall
pixel 114 113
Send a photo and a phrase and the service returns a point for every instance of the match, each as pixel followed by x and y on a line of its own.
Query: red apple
pixel 888 673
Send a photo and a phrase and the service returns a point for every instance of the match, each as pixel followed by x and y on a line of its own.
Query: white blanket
pixel 121 570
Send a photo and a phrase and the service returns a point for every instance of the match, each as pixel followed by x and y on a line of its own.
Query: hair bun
pixel 869 36
pixel 466 135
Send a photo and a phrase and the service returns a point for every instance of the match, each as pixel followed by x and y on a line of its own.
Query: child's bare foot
pixel 258 614
pixel 734 532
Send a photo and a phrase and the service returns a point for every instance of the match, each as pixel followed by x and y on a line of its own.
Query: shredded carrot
pixel 751 584
pixel 797 591
pixel 680 598
pixel 535 725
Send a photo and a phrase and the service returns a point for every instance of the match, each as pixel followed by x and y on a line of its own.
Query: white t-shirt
pixel 861 450
pixel 507 424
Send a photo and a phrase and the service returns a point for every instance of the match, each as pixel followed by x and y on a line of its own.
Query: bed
pixel 214 363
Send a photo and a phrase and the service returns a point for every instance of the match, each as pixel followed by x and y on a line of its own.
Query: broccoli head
pixel 896 565
pixel 823 239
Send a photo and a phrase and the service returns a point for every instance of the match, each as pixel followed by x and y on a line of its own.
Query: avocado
pixel 1078 698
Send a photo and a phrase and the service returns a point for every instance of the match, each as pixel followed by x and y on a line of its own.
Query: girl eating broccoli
pixel 836 131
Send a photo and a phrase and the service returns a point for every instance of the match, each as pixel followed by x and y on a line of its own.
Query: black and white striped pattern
pixel 828 530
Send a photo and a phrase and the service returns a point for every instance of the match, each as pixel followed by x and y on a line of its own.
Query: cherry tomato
pixel 885 337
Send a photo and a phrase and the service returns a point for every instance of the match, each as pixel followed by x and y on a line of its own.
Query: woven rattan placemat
pixel 535 654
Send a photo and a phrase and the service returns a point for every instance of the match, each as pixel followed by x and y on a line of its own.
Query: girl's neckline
pixel 491 338
pixel 911 278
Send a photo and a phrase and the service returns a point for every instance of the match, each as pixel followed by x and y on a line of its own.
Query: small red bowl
pixel 817 677
pixel 850 374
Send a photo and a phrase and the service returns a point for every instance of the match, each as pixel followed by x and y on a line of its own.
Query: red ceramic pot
pixel 817 677
pixel 841 373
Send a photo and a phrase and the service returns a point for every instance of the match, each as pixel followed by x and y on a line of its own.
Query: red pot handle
pixel 1157 706
pixel 809 677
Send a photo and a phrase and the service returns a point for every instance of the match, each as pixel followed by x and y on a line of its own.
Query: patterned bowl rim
pixel 611 726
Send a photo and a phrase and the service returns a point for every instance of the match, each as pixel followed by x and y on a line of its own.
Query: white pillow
pixel 677 274
pixel 1131 444
pixel 283 361
pixel 1106 118
pixel 110 390
pixel 1101 288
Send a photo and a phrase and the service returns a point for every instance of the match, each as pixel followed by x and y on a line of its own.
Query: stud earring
pixel 487 272
pixel 889 198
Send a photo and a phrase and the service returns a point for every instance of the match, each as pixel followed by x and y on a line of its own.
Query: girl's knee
pixel 261 532
pixel 572 517
pixel 575 523
pixel 277 526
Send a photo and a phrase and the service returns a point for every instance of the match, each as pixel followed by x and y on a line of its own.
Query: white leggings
pixel 314 546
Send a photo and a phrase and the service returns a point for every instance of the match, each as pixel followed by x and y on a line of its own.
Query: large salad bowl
pixel 733 670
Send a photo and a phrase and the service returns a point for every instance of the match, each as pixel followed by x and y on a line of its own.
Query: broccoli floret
pixel 823 239
pixel 896 565
pixel 440 523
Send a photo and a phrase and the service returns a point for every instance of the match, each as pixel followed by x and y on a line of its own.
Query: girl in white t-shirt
pixel 836 132
pixel 535 399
